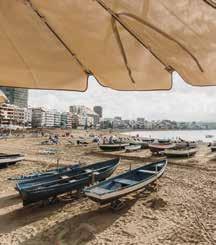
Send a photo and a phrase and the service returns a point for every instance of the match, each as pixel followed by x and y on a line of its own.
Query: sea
pixel 190 135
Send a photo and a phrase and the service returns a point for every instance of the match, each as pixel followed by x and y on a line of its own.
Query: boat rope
pixel 121 47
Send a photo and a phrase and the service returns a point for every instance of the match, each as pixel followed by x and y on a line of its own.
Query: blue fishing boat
pixel 55 177
pixel 67 182
pixel 123 184
pixel 39 175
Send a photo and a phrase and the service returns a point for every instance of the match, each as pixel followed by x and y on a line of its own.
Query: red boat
pixel 157 148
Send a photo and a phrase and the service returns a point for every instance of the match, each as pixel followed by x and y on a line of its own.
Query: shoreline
pixel 162 130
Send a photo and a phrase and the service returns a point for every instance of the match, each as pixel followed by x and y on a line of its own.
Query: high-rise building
pixel 38 117
pixel 16 96
pixel 98 110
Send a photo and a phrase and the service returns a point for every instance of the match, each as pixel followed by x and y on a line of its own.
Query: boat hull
pixel 133 148
pixel 156 148
pixel 113 147
pixel 6 161
pixel 31 195
pixel 213 148
pixel 180 153
pixel 112 196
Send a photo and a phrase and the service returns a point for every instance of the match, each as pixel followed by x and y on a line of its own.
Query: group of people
pixel 112 139
pixel 54 139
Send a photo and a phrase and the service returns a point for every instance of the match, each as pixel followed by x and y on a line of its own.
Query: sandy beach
pixel 182 211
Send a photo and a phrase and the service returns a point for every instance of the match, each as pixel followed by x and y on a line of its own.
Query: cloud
pixel 182 103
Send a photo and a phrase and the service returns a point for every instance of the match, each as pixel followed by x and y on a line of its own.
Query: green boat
pixel 113 147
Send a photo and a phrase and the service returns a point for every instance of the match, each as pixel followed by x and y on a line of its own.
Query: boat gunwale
pixel 29 190
pixel 156 175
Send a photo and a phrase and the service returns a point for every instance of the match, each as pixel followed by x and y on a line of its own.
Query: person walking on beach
pixel 111 139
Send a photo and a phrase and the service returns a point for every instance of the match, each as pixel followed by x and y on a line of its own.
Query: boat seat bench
pixel 72 181
pixel 125 181
pixel 88 170
pixel 64 176
pixel 147 171
pixel 99 190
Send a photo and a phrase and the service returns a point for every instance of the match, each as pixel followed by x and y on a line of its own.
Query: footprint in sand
pixel 80 235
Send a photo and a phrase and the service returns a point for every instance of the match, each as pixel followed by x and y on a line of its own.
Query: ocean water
pixel 193 135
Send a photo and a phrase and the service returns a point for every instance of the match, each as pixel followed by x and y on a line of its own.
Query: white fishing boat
pixel 10 159
pixel 180 152
pixel 131 148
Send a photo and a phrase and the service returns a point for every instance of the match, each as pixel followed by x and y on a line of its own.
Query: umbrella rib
pixel 210 3
pixel 86 71
pixel 163 34
pixel 116 17
pixel 121 47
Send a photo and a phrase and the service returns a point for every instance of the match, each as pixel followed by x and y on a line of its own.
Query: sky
pixel 182 103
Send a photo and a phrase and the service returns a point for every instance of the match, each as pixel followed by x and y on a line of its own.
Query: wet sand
pixel 182 211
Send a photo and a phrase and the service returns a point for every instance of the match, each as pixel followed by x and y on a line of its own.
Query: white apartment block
pixel 49 119
pixel 28 117
pixel 57 119
pixel 86 116
pixel 11 115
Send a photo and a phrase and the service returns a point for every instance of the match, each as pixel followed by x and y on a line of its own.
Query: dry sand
pixel 183 211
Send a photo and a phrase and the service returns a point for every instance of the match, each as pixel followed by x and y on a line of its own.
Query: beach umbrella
pixel 125 44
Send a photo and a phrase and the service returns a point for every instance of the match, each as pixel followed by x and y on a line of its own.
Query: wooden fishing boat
pixel 57 176
pixel 180 145
pixel 185 145
pixel 68 183
pixel 144 145
pixel 180 152
pixel 131 148
pixel 192 145
pixel 209 136
pixel 123 184
pixel 113 147
pixel 157 148
pixel 10 159
pixel 148 140
pixel 212 143
pixel 38 175
pixel 164 141
pixel 213 148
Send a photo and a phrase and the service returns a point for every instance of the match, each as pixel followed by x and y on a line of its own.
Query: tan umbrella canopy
pixel 125 44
